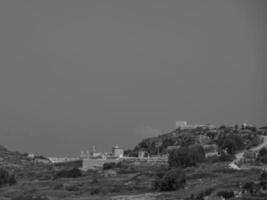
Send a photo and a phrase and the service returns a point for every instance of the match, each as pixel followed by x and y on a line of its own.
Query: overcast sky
pixel 79 73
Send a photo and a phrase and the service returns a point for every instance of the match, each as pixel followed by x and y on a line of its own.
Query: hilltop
pixel 225 137
pixel 21 165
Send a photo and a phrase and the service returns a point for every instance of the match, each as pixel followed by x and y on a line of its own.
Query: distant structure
pixel 181 124
pixel 141 154
pixel 184 125
pixel 246 125
pixel 96 159
pixel 31 155
pixel 94 153
pixel 117 151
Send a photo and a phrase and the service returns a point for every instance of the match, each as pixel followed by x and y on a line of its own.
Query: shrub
pixel 72 188
pixel 231 143
pixel 186 156
pixel 6 177
pixel 94 181
pixel 58 186
pixel 213 159
pixel 109 165
pixel 95 191
pixel 263 176
pixel 226 157
pixel 203 194
pixel 172 180
pixel 262 156
pixel 263 184
pixel 116 189
pixel 226 194
pixel 251 187
pixel 12 180
pixel 73 173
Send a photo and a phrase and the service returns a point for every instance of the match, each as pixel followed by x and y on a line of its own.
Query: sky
pixel 74 74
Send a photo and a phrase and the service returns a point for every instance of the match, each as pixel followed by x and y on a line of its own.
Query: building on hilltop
pixel 117 151
pixel 94 153
pixel 143 154
pixel 184 125
pixel 181 124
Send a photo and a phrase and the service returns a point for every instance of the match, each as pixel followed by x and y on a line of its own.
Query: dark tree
pixel 186 156
pixel 171 180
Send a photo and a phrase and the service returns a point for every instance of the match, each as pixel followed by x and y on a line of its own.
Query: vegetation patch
pixel 172 180
pixel 72 173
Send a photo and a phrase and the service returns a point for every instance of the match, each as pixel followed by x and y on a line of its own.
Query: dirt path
pixel 240 155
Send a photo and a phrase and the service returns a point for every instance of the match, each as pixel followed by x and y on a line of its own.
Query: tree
pixel 230 142
pixel 188 140
pixel 186 156
pixel 226 194
pixel 6 177
pixel 72 173
pixel 262 156
pixel 171 180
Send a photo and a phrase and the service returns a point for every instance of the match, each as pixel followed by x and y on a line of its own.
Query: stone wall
pixel 96 163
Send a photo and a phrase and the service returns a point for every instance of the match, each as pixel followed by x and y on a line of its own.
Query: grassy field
pixel 135 184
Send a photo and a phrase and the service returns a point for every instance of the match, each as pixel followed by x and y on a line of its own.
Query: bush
pixel 116 189
pixel 263 176
pixel 262 156
pixel 251 187
pixel 95 191
pixel 231 143
pixel 12 180
pixel 72 188
pixel 58 186
pixel 226 157
pixel 6 178
pixel 94 181
pixel 109 165
pixel 203 194
pixel 73 173
pixel 226 194
pixel 186 156
pixel 213 159
pixel 171 180
pixel 263 184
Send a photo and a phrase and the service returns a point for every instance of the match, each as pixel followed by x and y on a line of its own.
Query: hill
pixel 225 137
pixel 20 165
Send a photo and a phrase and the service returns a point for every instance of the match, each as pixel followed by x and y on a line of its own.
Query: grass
pixel 139 181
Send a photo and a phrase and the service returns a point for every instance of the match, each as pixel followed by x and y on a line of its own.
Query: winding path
pixel 240 155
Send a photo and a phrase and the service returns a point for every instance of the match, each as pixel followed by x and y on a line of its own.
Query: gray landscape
pixel 133 100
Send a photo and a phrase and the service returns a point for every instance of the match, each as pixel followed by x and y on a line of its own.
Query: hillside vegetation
pixel 189 173
pixel 231 139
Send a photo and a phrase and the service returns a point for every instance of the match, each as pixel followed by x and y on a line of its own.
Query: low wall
pixel 69 164
pixel 96 163
pixel 147 161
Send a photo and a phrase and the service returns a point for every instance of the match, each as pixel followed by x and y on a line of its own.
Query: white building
pixel 117 151
pixel 185 125
pixel 181 124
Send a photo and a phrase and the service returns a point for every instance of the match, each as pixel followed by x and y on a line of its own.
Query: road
pixel 239 155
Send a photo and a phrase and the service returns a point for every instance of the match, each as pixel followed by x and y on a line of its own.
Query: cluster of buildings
pixel 116 152
pixel 184 125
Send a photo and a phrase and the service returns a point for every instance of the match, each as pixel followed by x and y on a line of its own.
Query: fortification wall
pixel 96 163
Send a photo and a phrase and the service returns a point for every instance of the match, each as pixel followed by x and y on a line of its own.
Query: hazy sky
pixel 77 73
